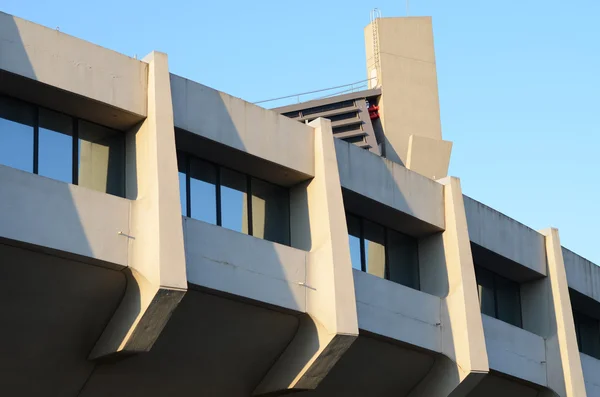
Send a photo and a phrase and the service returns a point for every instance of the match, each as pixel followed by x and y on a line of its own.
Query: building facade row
pixel 159 237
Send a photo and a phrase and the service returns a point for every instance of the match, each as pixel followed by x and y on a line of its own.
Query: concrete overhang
pixel 64 73
pixel 503 237
pixel 389 193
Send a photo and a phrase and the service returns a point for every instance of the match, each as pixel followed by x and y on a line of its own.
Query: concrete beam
pixel 465 361
pixel 157 272
pixel 331 325
pixel 565 376
pixel 35 53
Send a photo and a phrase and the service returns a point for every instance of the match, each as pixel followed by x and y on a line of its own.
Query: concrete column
pixel 156 273
pixel 565 376
pixel 465 360
pixel 409 107
pixel 331 324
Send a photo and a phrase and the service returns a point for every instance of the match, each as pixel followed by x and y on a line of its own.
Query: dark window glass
pixel 101 158
pixel 234 201
pixel 508 300
pixel 270 212
pixel 403 259
pixel 383 252
pixel 588 334
pixel 203 191
pixel 499 297
pixel 56 146
pixel 16 134
pixel 485 287
pixel 374 248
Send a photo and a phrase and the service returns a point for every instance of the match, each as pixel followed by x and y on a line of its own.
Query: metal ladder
pixel 375 15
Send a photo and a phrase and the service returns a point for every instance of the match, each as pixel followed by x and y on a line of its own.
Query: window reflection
pixel 220 196
pixel 16 134
pixel 203 191
pixel 374 247
pixel 101 160
pixel 55 146
pixel 354 240
pixel 234 204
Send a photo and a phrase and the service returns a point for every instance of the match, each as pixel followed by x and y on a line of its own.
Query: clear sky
pixel 519 80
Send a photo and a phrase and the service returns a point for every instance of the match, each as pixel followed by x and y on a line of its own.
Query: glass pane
pixel 270 212
pixel 403 257
pixel 589 334
pixel 182 182
pixel 354 240
pixel 234 204
pixel 203 191
pixel 56 146
pixel 508 297
pixel 16 134
pixel 101 159
pixel 485 286
pixel 374 243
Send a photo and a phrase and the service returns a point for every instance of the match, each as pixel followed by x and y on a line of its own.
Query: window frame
pixel 495 276
pixel 187 159
pixel 74 141
pixel 363 259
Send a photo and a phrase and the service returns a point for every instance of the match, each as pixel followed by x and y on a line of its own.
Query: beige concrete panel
pixel 463 339
pixel 332 324
pixel 389 183
pixel 564 326
pixel 429 157
pixel 257 269
pixel 64 217
pixel 242 125
pixel 398 312
pixel 156 249
pixel 71 64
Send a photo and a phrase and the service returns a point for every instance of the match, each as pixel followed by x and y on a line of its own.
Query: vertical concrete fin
pixel 156 275
pixel 409 104
pixel 564 335
pixel 463 342
pixel 331 323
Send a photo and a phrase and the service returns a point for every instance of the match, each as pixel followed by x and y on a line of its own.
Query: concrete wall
pixel 591 369
pixel 409 105
pixel 64 217
pixel 514 351
pixel 48 56
pixel 242 125
pixel 390 184
pixel 398 312
pixel 256 269
pixel 582 275
pixel 496 232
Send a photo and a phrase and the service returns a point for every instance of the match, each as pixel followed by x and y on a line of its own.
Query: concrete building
pixel 159 238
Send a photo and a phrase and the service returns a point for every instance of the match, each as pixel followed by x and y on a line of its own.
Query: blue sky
pixel 518 80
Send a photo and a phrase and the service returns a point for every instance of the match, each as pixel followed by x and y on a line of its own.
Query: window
pixel 587 330
pixel 499 297
pixel 233 200
pixel 61 147
pixel 383 252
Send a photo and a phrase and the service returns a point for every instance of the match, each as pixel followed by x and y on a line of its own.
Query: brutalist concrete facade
pixel 121 295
